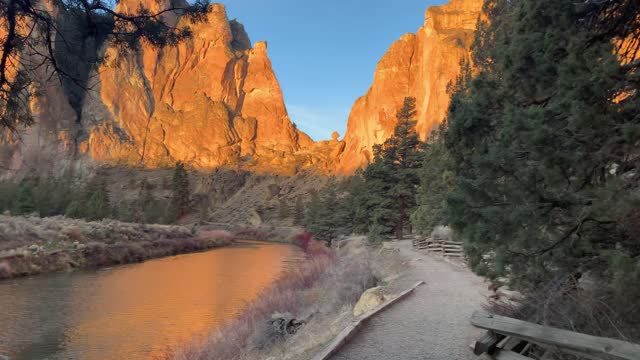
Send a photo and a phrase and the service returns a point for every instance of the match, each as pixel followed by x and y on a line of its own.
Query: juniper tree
pixel 147 208
pixel 354 206
pixel 25 203
pixel 312 213
pixel 542 140
pixel 96 204
pixel 324 220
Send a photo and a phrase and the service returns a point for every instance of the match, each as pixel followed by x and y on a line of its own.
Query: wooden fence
pixel 511 339
pixel 442 246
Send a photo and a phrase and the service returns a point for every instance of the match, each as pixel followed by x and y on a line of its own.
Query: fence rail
pixel 512 339
pixel 442 246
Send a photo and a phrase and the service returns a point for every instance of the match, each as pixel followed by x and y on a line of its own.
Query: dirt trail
pixel 433 323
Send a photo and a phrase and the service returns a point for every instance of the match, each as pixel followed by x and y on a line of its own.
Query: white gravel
pixel 433 323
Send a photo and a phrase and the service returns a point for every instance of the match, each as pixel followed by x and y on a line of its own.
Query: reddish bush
pixel 303 240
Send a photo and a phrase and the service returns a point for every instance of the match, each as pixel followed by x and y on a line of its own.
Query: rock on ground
pixel 369 300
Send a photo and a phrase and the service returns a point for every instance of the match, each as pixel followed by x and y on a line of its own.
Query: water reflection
pixel 135 311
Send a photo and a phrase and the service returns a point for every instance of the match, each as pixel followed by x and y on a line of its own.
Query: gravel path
pixel 433 323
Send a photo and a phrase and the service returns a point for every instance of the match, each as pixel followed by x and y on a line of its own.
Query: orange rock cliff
pixel 214 101
pixel 420 65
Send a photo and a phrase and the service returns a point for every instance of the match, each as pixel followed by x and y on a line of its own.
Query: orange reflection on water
pixel 136 312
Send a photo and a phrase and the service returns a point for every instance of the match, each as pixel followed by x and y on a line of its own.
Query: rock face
pixel 49 140
pixel 211 101
pixel 420 65
pixel 214 100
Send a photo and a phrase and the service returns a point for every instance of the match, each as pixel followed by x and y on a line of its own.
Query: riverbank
pixel 302 311
pixel 33 245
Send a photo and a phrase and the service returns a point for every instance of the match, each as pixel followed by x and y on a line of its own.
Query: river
pixel 134 311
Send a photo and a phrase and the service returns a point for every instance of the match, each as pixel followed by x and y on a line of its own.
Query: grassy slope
pixel 32 245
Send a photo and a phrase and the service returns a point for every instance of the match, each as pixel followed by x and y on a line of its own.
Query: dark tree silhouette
pixel 33 38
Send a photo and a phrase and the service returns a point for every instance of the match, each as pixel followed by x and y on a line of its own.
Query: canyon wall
pixel 211 101
pixel 419 65
pixel 214 100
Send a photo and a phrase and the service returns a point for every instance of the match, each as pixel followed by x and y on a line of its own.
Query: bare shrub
pixel 94 244
pixel 275 330
pixel 442 233
pixel 573 302
pixel 351 279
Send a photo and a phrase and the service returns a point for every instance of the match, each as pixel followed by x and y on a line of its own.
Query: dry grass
pixel 586 306
pixel 320 291
pixel 216 235
pixel 32 245
pixel 281 234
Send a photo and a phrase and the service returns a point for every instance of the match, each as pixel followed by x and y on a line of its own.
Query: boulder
pixel 369 300
pixel 254 218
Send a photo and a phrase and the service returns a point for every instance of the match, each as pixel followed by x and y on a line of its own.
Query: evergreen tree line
pixel 61 196
pixel 538 158
pixel 535 167
pixel 379 199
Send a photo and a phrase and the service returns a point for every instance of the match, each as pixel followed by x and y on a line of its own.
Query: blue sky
pixel 324 52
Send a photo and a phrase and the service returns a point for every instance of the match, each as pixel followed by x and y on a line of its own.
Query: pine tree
pixel 542 139
pixel 147 208
pixel 181 196
pixel 324 219
pixel 436 182
pixel 312 214
pixel 380 205
pixel 353 207
pixel 376 234
pixel 8 191
pixel 74 210
pixel 392 178
pixel 328 223
pixel 97 205
pixel 51 196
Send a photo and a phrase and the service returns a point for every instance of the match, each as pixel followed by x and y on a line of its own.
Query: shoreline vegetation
pixel 32 245
pixel 305 308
